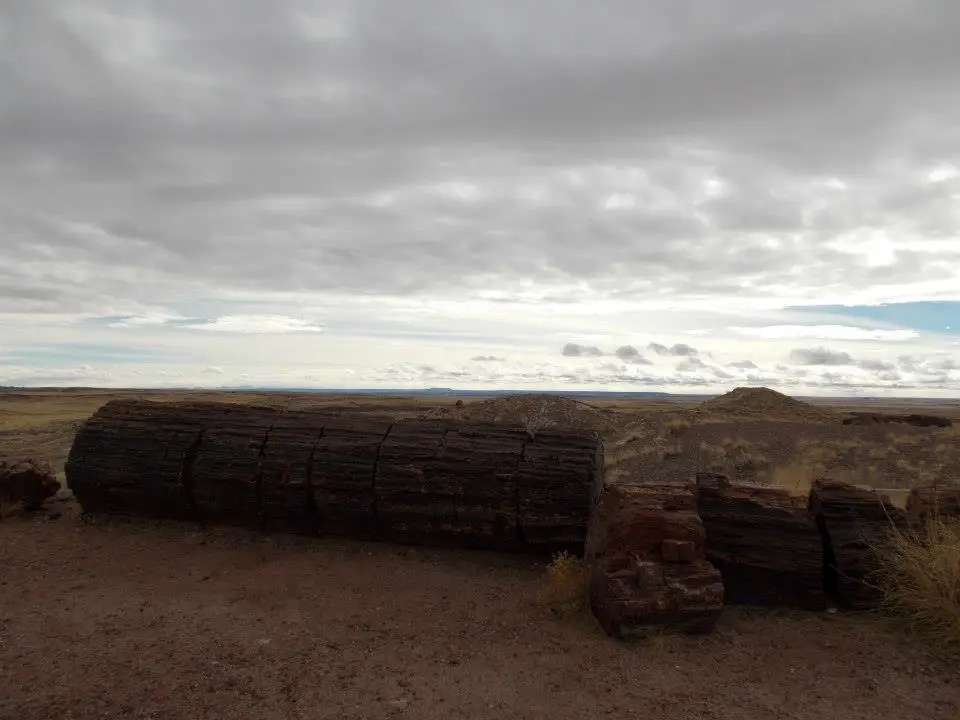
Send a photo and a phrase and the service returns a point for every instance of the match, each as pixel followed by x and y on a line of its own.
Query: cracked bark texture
pixel 438 482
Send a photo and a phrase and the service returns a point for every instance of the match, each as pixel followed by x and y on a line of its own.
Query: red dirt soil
pixel 124 619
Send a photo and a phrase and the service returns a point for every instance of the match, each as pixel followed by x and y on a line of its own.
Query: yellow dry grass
pixel 796 478
pixel 676 426
pixel 919 571
pixel 564 589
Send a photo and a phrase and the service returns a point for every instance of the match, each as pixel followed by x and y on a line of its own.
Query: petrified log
pixel 364 476
pixel 854 522
pixel 646 550
pixel 130 458
pixel 460 484
pixel 558 481
pixel 343 476
pixel 27 484
pixel 767 549
pixel 933 501
pixel 917 420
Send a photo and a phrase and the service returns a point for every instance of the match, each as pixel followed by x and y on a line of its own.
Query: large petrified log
pixel 767 549
pixel 854 523
pixel 429 481
pixel 646 551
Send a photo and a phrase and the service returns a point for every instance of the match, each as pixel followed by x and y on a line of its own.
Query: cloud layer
pixel 372 185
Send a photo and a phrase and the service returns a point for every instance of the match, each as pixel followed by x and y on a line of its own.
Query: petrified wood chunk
pixel 27 483
pixel 854 523
pixel 646 547
pixel 767 549
pixel 558 480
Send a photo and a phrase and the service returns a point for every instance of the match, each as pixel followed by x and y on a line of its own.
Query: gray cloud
pixel 575 350
pixel 744 365
pixel 819 356
pixel 487 358
pixel 690 365
pixel 376 148
pixel 628 353
pixel 878 365
pixel 677 350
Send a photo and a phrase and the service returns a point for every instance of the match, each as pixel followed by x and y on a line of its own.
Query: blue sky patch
pixel 941 316
pixel 58 354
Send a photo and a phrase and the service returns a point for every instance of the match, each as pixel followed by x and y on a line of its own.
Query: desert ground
pixel 123 618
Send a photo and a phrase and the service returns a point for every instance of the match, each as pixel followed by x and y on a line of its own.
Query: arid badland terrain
pixel 147 619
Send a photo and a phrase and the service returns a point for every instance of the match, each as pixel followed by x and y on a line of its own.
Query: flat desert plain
pixel 123 618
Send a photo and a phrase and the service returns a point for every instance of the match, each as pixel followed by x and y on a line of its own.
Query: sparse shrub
pixel 919 572
pixel 676 426
pixel 742 457
pixel 566 585
pixel 713 457
pixel 750 462
pixel 671 451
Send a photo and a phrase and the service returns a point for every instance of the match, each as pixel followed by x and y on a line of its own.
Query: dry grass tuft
pixel 742 456
pixel 566 585
pixel 676 426
pixel 919 572
pixel 796 478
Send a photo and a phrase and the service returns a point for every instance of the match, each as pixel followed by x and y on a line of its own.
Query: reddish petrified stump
pixel 646 547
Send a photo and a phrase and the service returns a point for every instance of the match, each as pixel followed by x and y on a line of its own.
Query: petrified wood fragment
pixel 767 549
pixel 854 522
pixel 646 549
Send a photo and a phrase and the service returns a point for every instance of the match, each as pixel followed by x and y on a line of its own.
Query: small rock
pixel 27 483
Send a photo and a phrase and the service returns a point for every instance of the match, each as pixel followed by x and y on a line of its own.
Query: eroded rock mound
pixel 854 522
pixel 763 403
pixel 646 547
pixel 536 412
pixel 767 549
pixel 26 484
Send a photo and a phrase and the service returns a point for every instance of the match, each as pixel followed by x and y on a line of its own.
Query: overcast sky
pixel 624 194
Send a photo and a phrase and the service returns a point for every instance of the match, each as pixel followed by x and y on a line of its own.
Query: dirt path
pixel 137 620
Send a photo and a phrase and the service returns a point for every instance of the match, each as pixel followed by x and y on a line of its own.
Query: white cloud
pixel 825 332
pixel 260 324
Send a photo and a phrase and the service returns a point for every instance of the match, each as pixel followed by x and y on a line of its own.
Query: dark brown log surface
pixel 854 521
pixel 767 548
pixel 357 475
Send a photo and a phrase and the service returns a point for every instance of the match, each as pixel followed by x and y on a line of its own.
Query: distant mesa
pixel 763 403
